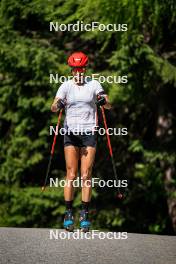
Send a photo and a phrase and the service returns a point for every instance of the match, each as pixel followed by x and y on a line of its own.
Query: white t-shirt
pixel 80 104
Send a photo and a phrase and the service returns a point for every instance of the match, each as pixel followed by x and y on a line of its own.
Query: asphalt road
pixel 34 246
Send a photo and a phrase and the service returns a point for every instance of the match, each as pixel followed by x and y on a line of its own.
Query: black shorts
pixel 81 140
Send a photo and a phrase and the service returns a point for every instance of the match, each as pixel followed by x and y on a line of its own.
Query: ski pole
pixel 119 195
pixel 52 151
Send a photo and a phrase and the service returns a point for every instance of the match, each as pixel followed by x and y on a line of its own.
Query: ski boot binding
pixel 84 221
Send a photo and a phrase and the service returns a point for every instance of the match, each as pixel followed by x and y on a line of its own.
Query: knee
pixel 71 173
pixel 86 174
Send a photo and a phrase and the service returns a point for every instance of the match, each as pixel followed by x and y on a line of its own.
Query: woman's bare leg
pixel 87 160
pixel 71 158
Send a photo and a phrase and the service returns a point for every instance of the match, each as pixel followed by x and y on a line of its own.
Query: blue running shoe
pixel 69 221
pixel 84 221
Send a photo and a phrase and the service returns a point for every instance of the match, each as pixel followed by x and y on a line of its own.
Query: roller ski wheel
pixel 85 229
pixel 69 228
pixel 69 221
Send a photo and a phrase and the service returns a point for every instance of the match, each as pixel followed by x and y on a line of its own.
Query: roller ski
pixel 84 221
pixel 69 221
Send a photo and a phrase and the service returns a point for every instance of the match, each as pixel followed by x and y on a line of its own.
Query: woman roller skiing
pixel 80 97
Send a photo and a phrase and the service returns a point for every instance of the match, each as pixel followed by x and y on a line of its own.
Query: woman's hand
pixel 103 100
pixel 54 106
pixel 57 104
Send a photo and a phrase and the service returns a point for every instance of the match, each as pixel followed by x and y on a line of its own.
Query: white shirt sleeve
pixel 98 88
pixel 62 91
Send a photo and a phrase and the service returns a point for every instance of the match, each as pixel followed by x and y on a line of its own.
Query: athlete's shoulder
pixel 96 86
pixel 63 89
pixel 93 82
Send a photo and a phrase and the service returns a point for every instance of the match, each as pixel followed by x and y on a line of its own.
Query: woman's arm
pixel 59 98
pixel 107 105
pixel 54 106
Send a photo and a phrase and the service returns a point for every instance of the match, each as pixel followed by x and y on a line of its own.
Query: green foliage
pixel 29 52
